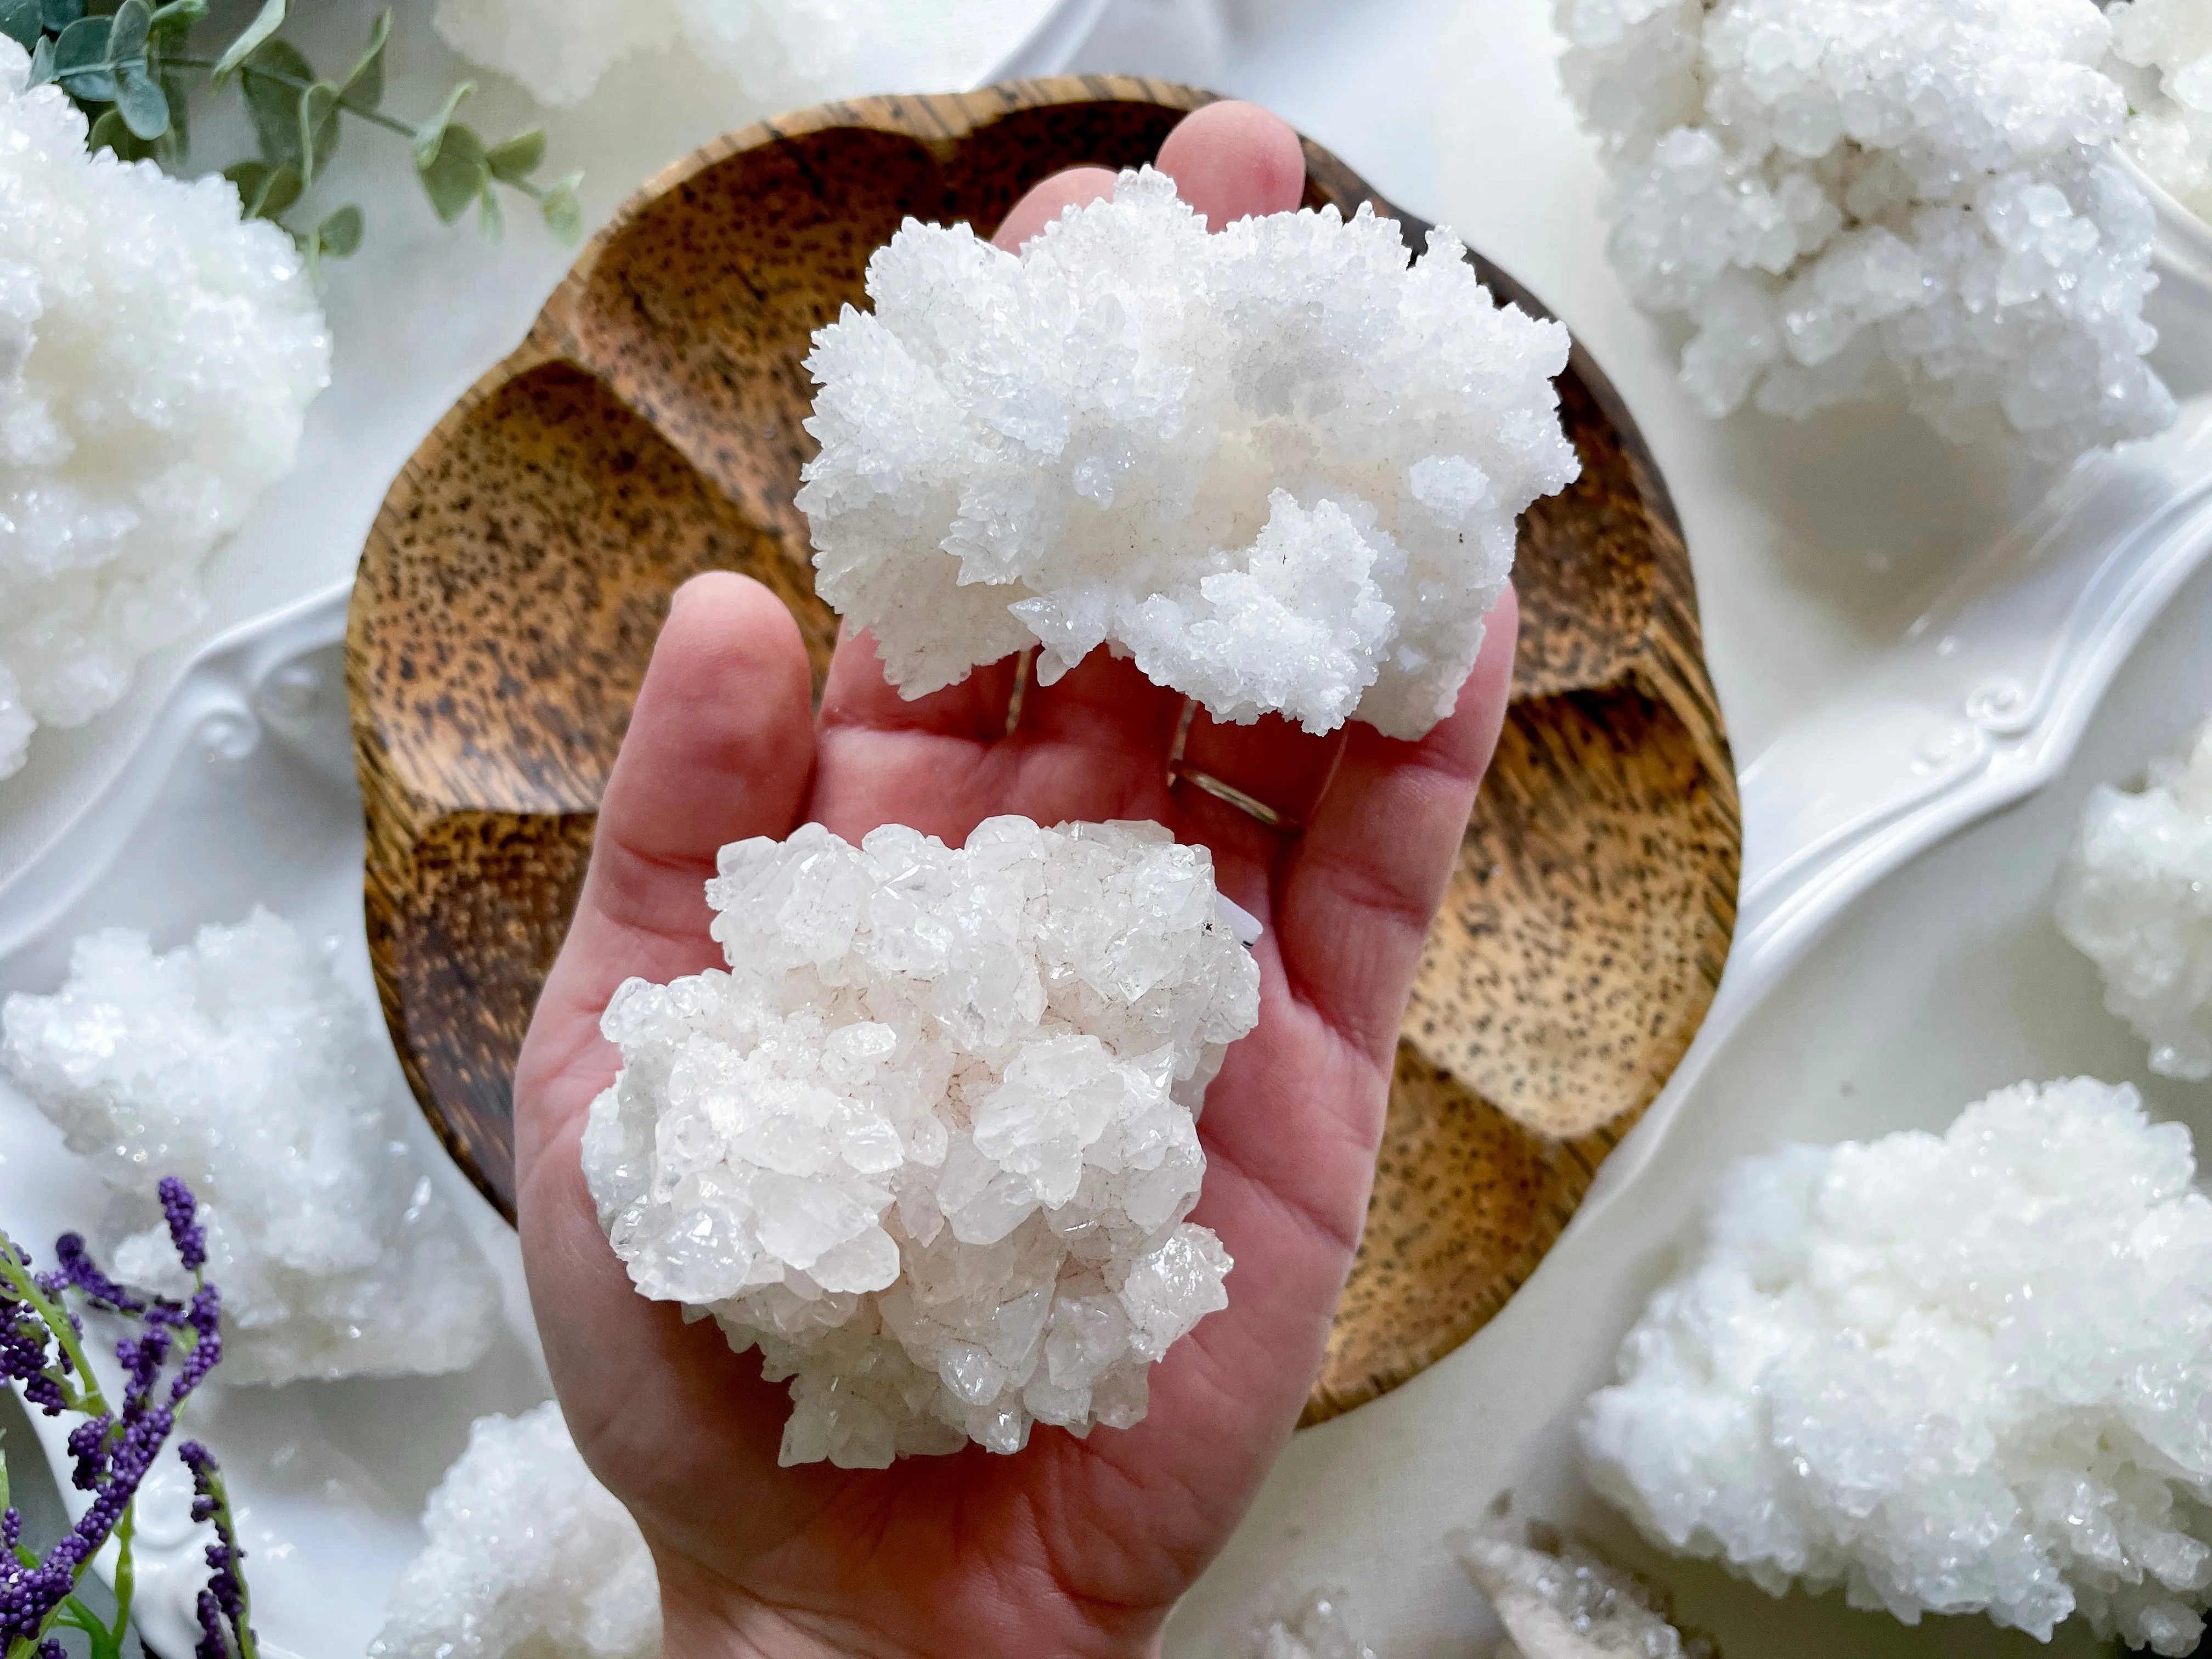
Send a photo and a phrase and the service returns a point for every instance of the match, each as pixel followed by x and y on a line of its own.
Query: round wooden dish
pixel 648 428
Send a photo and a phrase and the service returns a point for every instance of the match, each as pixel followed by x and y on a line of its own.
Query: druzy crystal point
pixel 1278 466
pixel 928 1141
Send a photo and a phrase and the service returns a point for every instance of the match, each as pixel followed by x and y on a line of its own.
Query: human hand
pixel 1070 1546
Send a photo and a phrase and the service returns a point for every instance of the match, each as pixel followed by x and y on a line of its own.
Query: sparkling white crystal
pixel 1841 197
pixel 157 357
pixel 928 1142
pixel 2162 54
pixel 774 49
pixel 1275 465
pixel 1559 1600
pixel 1320 1629
pixel 1954 1374
pixel 528 1557
pixel 240 1063
pixel 2135 896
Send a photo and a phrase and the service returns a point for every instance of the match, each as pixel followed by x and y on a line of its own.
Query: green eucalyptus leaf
pixel 22 21
pixel 80 60
pixel 562 212
pixel 340 233
pixel 126 36
pixel 319 129
pixel 140 102
pixel 489 219
pixel 456 174
pixel 430 136
pixel 270 81
pixel 176 143
pixel 177 16
pixel 363 87
pixel 518 158
pixel 263 191
pixel 42 61
pixel 60 13
pixel 112 132
pixel 266 23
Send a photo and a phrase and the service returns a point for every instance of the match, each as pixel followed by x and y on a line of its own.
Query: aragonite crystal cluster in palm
pixel 1277 466
pixel 929 1141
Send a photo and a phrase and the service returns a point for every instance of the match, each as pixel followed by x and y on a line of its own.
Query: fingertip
pixel 1233 160
pixel 1046 202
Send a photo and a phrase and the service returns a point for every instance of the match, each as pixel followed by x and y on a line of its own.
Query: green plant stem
pixel 87 1398
pixel 376 117
pixel 535 191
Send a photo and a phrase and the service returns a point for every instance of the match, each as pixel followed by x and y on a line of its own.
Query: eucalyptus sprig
pixel 128 64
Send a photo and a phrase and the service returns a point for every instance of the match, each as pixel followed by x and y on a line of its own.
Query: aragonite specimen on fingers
pixel 928 1141
pixel 1279 466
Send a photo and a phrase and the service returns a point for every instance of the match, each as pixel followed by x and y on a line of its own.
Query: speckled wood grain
pixel 649 428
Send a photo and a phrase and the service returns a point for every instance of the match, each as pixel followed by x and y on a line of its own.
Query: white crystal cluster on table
pixel 2162 55
pixel 1842 198
pixel 1560 1600
pixel 240 1064
pixel 1277 465
pixel 2135 896
pixel 1320 1628
pixel 929 1141
pixel 1953 1374
pixel 526 1557
pixel 157 357
pixel 774 49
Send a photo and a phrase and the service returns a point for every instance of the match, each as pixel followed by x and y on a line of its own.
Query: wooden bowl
pixel 648 429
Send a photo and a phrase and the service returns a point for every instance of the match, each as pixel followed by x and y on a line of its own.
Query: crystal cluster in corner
pixel 240 1063
pixel 1845 198
pixel 1277 466
pixel 929 1141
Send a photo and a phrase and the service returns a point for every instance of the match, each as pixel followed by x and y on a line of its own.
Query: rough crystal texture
pixel 775 49
pixel 240 1064
pixel 528 1558
pixel 2162 55
pixel 1275 465
pixel 1320 1629
pixel 2136 898
pixel 157 357
pixel 1841 197
pixel 1953 1374
pixel 1559 1600
pixel 928 1142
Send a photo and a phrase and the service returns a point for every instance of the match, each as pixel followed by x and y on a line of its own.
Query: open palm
pixel 1070 1546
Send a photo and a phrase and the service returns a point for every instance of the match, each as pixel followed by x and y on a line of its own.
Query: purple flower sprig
pixel 167 1352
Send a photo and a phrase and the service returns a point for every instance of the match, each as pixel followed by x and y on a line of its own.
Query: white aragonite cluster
pixel 527 1557
pixel 1953 1374
pixel 2136 898
pixel 240 1064
pixel 1319 1629
pixel 1275 465
pixel 774 49
pixel 157 357
pixel 1559 1600
pixel 929 1141
pixel 2162 54
pixel 1841 197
